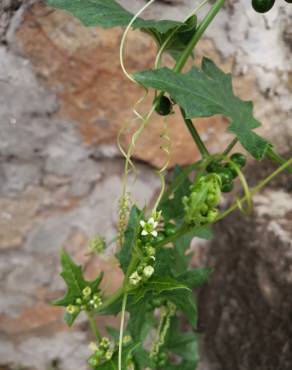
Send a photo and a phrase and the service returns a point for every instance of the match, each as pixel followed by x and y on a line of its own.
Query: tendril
pixel 166 148
pixel 245 187
pixel 123 207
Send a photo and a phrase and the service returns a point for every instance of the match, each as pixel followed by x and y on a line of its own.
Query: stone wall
pixel 63 100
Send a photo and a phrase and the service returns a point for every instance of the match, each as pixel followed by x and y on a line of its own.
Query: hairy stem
pixel 198 34
pixel 195 135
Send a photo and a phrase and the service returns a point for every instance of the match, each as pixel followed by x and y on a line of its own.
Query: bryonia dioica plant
pixel 152 243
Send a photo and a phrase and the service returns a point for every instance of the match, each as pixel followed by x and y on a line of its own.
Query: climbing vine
pixel 153 243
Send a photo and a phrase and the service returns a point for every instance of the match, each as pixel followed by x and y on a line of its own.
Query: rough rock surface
pixel 60 174
pixel 246 308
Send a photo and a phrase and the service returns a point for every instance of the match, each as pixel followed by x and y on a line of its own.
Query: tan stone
pixel 17 216
pixel 31 318
pixel 82 66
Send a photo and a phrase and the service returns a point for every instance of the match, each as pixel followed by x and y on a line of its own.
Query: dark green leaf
pixel 172 206
pixel 181 246
pixel 165 261
pixel 131 235
pixel 143 359
pixel 207 92
pixel 195 278
pixel 140 320
pixel 177 38
pixel 185 301
pixel 108 13
pixel 159 285
pixel 184 344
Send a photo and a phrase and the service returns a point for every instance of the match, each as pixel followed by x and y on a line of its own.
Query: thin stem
pixel 230 146
pixel 199 33
pixel 93 326
pixel 124 304
pixel 256 189
pixel 195 135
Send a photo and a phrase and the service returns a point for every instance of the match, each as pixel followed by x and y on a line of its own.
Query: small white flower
pixel 148 271
pixel 135 278
pixel 149 227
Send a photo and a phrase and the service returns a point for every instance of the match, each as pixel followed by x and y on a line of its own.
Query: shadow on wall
pixel 246 309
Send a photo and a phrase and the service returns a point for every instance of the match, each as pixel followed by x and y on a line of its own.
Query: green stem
pixel 230 146
pixel 198 34
pixel 93 326
pixel 195 135
pixel 256 189
pixel 124 304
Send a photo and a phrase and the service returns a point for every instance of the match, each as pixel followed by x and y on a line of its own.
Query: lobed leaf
pixel 131 235
pixel 108 13
pixel 73 277
pixel 207 92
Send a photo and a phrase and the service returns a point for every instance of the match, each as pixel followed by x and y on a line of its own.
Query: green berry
pixel 162 356
pixel 170 229
pixel 231 168
pixel 160 237
pixel 227 187
pixel 163 106
pixel 213 199
pixel 262 6
pixel 204 209
pixel 213 167
pixel 212 215
pixel 239 159
pixel 93 362
pixel 225 175
pixel 156 302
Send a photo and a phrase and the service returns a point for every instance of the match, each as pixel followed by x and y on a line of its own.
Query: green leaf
pixel 108 13
pixel 158 285
pixel 73 277
pixel 185 301
pixel 113 363
pixel 143 359
pixel 173 208
pixel 177 38
pixel 196 277
pixel 181 245
pixel 184 344
pixel 141 320
pixel 207 92
pixel 131 235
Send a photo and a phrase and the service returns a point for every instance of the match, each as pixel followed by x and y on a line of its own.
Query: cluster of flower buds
pixel 160 357
pixel 146 242
pixel 200 205
pixel 89 301
pixel 102 352
pixel 105 350
pixel 96 245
